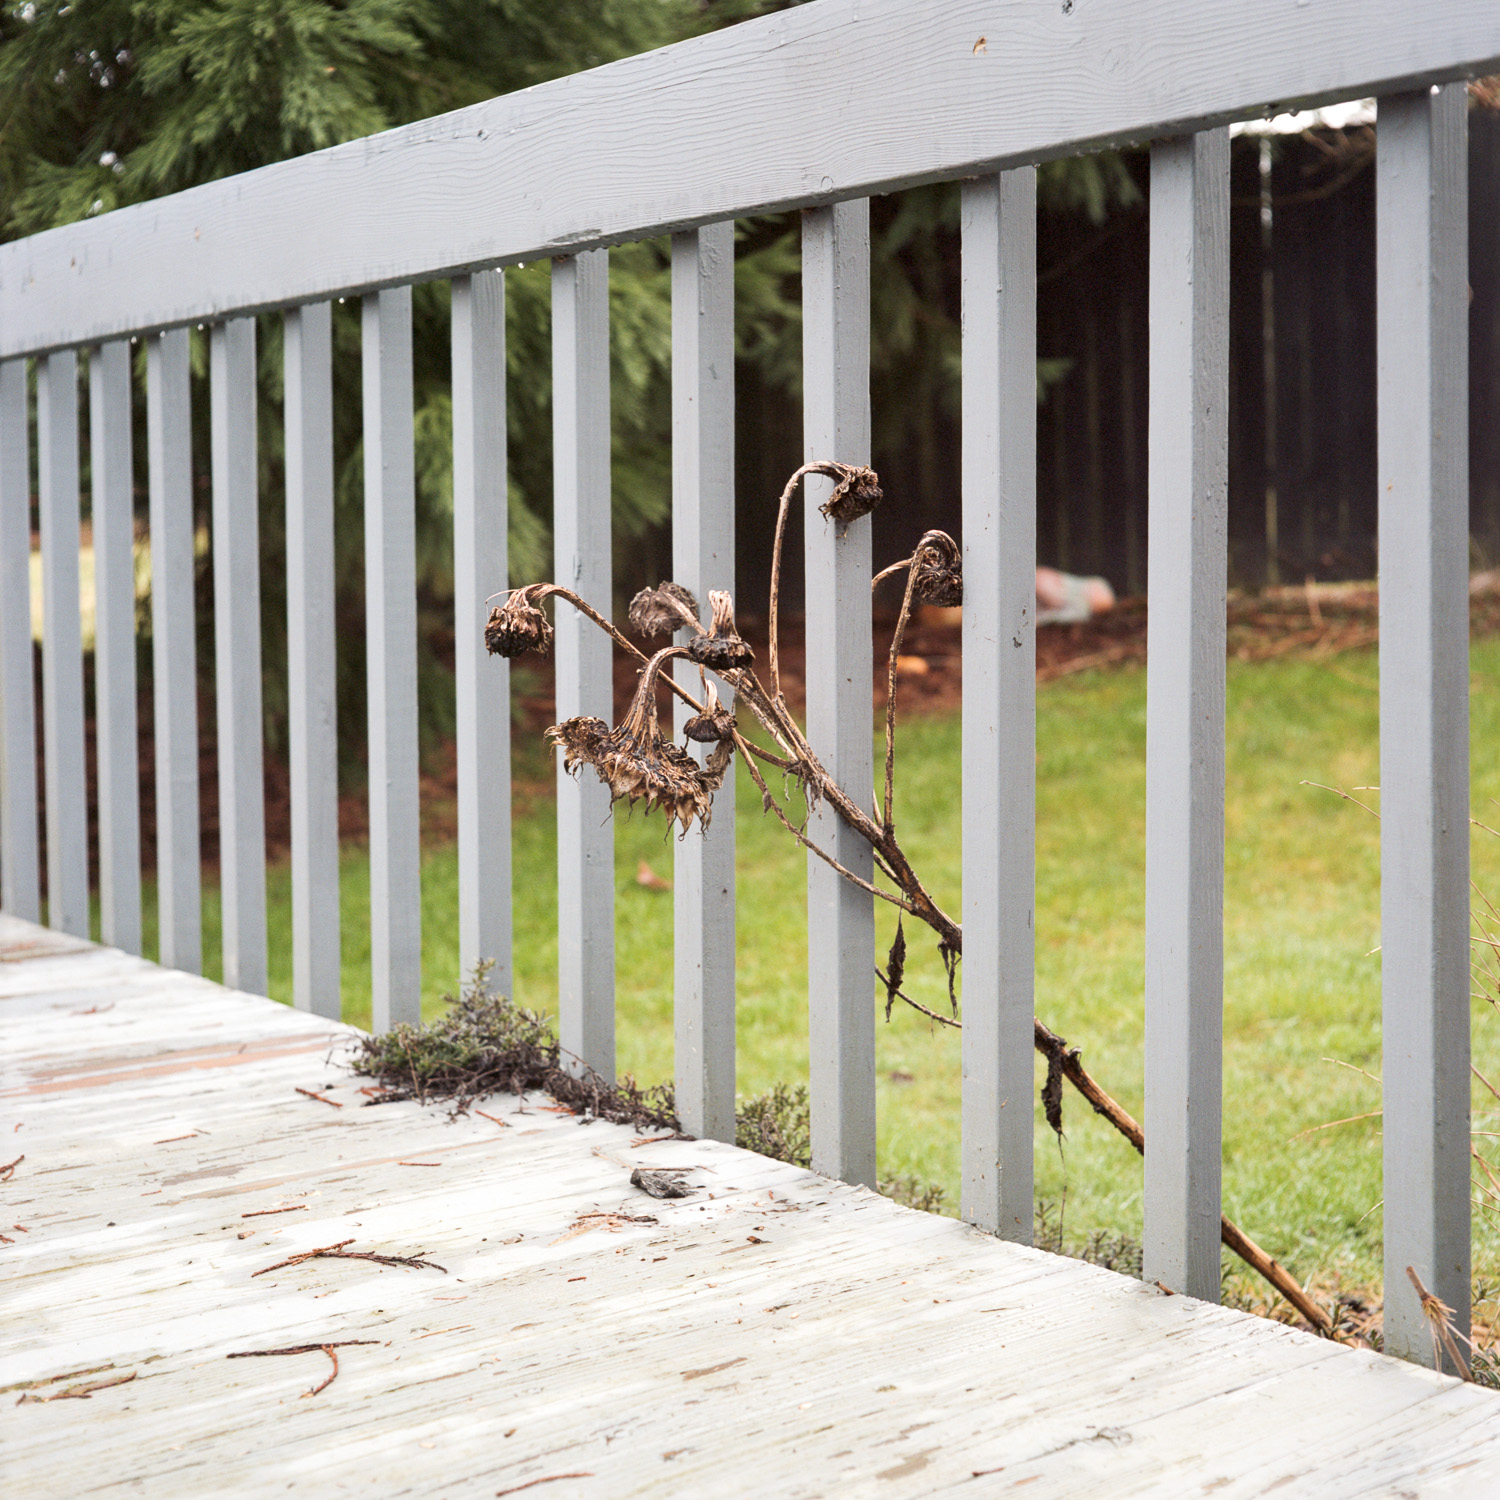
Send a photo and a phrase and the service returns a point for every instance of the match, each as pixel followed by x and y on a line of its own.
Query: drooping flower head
pixel 518 626
pixel 714 725
pixel 636 763
pixel 722 648
pixel 939 570
pixel 856 493
pixel 662 610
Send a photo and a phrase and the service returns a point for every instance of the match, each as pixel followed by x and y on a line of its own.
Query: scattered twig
pixel 495 1118
pixel 167 1141
pixel 321 1098
pixel 419 1163
pixel 613 1222
pixel 329 1349
pixel 260 1213
pixel 8 1170
pixel 337 1252
pixel 515 1489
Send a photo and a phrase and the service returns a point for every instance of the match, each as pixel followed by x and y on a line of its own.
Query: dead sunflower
pixel 714 725
pixel 662 610
pixel 517 626
pixel 939 570
pixel 856 494
pixel 635 762
pixel 722 648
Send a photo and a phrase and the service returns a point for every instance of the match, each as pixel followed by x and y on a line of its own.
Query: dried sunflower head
pixel 517 626
pixel 714 725
pixel 939 570
pixel 722 648
pixel 856 493
pixel 582 740
pixel 635 762
pixel 660 611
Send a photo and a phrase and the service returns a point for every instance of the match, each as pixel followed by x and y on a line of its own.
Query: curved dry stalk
pixel 890 695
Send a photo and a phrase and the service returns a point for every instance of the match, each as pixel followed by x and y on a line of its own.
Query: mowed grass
pixel 1302 982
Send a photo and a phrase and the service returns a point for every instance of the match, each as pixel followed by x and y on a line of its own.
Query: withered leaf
pixel 895 967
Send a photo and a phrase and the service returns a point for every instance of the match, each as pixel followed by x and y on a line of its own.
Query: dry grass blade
pixel 1440 1325
pixel 516 1489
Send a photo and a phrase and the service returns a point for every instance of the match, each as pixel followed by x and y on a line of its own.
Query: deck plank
pixel 851 1347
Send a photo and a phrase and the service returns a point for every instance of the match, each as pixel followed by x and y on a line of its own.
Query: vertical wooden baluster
pixel 480 548
pixel 1422 312
pixel 20 883
pixel 840 917
pixel 312 701
pixel 1187 562
pixel 581 539
pixel 999 717
pixel 169 456
pixel 236 553
pixel 62 646
pixel 391 643
pixel 703 559
pixel 113 505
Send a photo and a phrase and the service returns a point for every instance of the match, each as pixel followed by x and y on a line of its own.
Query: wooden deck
pixel 775 1334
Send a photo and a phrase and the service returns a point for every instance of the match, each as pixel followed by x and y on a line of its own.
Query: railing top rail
pixel 827 101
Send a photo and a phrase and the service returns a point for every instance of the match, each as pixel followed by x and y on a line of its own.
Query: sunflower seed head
pixel 659 611
pixel 581 739
pixel 516 627
pixel 722 648
pixel 939 571
pixel 636 763
pixel 856 494
pixel 714 725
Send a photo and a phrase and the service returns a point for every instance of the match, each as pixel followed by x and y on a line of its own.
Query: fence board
pixel 112 470
pixel 391 644
pixel 480 548
pixel 999 716
pixel 169 458
pixel 1422 334
pixel 236 562
pixel 581 542
pixel 727 124
pixel 703 559
pixel 840 917
pixel 1186 575
pixel 312 701
pixel 62 646
pixel 20 881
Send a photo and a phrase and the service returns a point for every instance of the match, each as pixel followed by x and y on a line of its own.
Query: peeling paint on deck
pixel 775 1334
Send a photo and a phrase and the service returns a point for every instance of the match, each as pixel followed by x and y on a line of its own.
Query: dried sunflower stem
pixel 890 696
pixel 771 710
pixel 818 466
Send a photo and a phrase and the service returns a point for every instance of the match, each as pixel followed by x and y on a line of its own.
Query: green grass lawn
pixel 1301 982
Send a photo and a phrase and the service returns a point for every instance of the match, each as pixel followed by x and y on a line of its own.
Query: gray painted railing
pixel 815 108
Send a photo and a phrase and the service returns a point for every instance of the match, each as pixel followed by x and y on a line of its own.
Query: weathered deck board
pixel 851 1347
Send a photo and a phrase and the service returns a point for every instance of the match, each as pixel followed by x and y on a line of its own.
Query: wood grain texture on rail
pixel 837 100
pixel 776 1333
